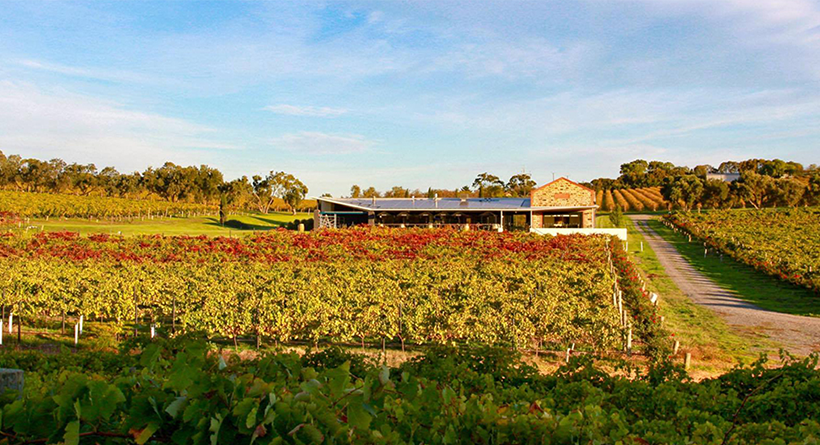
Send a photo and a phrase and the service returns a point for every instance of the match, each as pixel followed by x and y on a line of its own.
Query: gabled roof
pixel 561 179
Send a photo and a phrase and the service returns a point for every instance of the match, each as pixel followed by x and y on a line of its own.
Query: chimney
pixel 374 200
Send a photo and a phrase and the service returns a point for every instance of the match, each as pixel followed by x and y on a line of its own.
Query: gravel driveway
pixel 799 335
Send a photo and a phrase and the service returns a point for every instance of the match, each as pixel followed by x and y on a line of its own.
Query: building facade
pixel 559 204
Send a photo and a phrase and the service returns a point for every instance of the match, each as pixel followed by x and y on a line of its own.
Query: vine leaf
pixel 72 433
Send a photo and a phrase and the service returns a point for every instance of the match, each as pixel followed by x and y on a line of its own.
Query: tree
pixel 715 193
pixel 108 179
pixel 616 217
pixel 684 190
pixel 729 167
pixel 789 191
pixel 263 192
pixel 355 191
pixel 285 186
pixel 371 192
pixel 633 174
pixel 755 189
pixel 488 186
pixel 774 168
pixel 520 185
pixel 169 182
pixel 82 178
pixel 701 170
pixel 397 192
pixel 207 183
pixel 238 193
pixel 291 190
pixel 812 194
pixel 223 209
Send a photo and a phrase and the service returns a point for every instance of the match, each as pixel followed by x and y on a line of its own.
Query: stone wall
pixel 562 193
pixel 588 219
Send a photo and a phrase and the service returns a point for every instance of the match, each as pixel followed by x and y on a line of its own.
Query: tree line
pixel 640 173
pixel 171 182
pixel 754 182
pixel 751 189
pixel 485 185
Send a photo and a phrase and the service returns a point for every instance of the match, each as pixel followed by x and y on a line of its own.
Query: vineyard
pixel 184 393
pixel 631 200
pixel 780 242
pixel 42 205
pixel 359 285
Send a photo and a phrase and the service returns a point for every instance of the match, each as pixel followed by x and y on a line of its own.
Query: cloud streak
pixel 295 110
pixel 316 143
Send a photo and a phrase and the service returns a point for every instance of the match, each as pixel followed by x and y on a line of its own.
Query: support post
pixel 135 318
pixel 629 340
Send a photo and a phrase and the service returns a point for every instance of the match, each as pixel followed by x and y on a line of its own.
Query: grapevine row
pixel 780 242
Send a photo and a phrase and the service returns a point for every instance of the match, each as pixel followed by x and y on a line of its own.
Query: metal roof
pixel 442 204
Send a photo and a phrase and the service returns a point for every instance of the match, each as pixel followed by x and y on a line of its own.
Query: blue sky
pixel 415 94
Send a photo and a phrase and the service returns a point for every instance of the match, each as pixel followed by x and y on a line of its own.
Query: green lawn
pixel 749 284
pixel 715 346
pixel 205 225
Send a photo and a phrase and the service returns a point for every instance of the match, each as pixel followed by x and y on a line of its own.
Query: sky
pixel 415 94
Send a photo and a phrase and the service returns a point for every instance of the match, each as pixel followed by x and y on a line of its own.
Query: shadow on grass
pixel 749 284
pixel 238 225
pixel 262 222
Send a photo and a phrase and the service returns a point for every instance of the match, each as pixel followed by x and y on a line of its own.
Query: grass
pixel 715 346
pixel 204 225
pixel 747 283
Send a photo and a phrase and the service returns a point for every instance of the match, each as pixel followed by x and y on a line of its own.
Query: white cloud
pixel 74 127
pixel 295 110
pixel 309 142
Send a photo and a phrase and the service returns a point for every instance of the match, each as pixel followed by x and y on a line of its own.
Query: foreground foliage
pixel 185 394
pixel 780 242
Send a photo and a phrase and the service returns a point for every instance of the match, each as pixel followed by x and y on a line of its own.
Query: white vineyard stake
pixel 81 324
pixel 76 333
pixel 11 323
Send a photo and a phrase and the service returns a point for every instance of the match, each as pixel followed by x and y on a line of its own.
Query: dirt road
pixel 799 335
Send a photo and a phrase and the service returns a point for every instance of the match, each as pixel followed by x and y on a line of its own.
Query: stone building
pixel 559 204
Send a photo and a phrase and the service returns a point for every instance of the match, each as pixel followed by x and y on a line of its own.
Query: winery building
pixel 559 204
